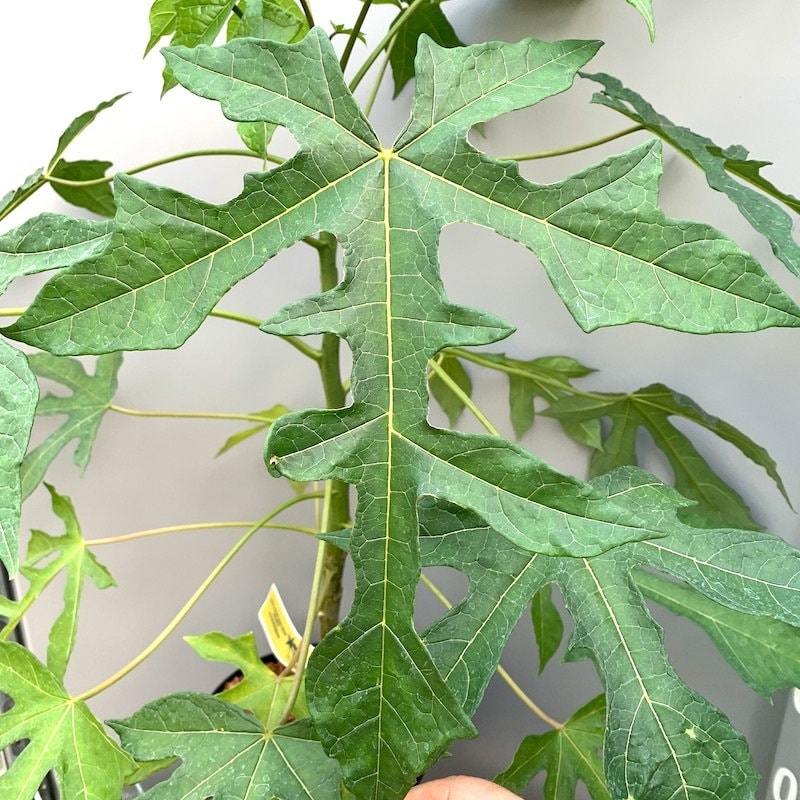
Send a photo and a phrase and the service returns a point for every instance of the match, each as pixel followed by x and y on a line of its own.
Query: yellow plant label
pixel 283 637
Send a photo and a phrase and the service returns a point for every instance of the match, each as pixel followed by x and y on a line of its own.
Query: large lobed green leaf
pixel 61 734
pixel 662 739
pixel 227 753
pixel 377 694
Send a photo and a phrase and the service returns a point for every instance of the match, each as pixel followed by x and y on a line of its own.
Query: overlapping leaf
pixel 765 652
pixel 427 19
pixel 548 627
pixel 61 733
pixel 48 556
pixel 85 407
pixel 259 690
pixel 663 740
pixel 378 699
pixel 722 168
pixel 568 755
pixel 652 409
pixel 97 197
pixel 227 754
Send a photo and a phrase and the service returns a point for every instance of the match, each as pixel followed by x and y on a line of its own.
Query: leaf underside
pixel 662 739
pixel 384 701
pixel 727 170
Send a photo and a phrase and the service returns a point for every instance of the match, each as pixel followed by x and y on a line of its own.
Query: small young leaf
pixel 77 127
pixel 547 625
pixel 260 690
pixel 651 409
pixel 428 19
pixel 98 199
pixel 67 552
pixel 225 752
pixel 548 377
pixel 720 166
pixel 450 403
pixel 196 22
pixel 279 20
pixel 764 652
pixel 64 736
pixel 85 408
pixel 269 416
pixel 568 755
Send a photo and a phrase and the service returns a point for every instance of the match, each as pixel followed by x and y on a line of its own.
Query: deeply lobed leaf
pixel 87 403
pixel 227 754
pixel 383 701
pixel 662 740
pixel 63 735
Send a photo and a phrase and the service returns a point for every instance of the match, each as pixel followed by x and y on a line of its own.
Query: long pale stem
pixel 313 608
pixel 184 414
pixel 463 397
pixel 576 148
pixel 192 526
pixel 157 163
pixel 181 615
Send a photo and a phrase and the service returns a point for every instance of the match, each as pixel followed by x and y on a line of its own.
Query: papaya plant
pixel 379 699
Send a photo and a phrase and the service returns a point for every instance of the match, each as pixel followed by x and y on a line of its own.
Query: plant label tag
pixel 282 635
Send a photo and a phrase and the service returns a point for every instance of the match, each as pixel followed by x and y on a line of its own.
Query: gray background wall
pixel 725 68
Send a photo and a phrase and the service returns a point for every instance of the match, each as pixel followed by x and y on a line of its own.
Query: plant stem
pixel 157 163
pixel 390 34
pixel 12 312
pixel 359 23
pixel 312 613
pixel 294 341
pixel 184 414
pixel 576 148
pixel 463 397
pixel 512 684
pixel 181 615
pixel 337 512
pixel 515 687
pixel 477 358
pixel 376 85
pixel 193 526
